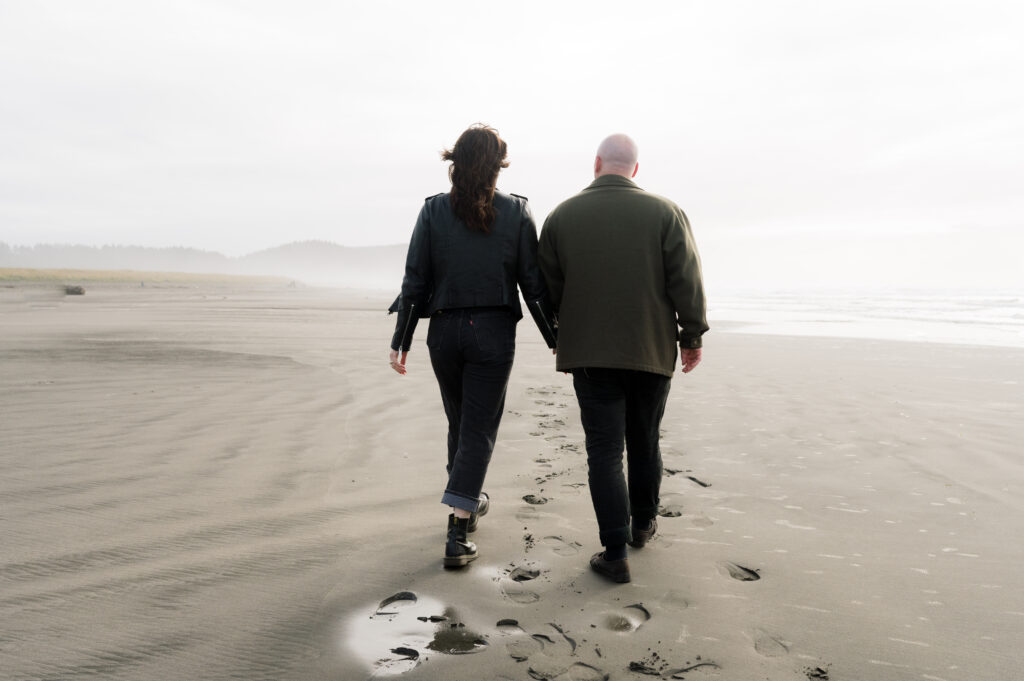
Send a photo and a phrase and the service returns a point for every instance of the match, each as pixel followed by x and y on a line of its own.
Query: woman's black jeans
pixel 471 351
pixel 616 406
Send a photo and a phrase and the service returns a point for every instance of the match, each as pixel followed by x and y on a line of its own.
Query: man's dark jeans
pixel 619 405
pixel 471 351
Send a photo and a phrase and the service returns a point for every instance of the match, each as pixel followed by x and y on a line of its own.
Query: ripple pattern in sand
pixel 167 528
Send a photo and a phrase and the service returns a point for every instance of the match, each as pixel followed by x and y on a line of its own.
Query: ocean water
pixel 990 318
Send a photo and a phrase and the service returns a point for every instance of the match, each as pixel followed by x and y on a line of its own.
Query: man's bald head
pixel 616 155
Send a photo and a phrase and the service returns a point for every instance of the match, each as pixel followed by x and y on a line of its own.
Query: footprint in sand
pixel 768 645
pixel 564 639
pixel 540 480
pixel 817 673
pixel 676 599
pixel 522 647
pixel 535 499
pixel 393 604
pixel 561 547
pixel 739 572
pixel 527 514
pixel 573 488
pixel 554 643
pixel 513 587
pixel 523 573
pixel 576 672
pixel 671 506
pixel 627 619
pixel 553 663
pixel 702 521
pixel 400 660
pixel 517 593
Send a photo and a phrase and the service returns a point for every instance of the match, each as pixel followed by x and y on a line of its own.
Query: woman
pixel 469 250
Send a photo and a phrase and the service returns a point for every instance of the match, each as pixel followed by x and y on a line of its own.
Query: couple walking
pixel 614 286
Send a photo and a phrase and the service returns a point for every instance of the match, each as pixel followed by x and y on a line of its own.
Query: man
pixel 623 271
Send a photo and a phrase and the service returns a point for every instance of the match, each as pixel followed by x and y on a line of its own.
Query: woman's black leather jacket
pixel 451 266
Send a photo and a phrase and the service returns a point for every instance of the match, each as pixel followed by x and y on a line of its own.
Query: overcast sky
pixel 811 143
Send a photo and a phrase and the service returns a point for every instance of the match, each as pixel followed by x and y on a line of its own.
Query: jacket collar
pixel 611 181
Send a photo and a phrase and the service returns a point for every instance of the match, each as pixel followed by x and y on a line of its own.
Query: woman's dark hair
pixel 477 158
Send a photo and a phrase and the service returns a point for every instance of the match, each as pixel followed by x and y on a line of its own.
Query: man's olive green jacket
pixel 623 272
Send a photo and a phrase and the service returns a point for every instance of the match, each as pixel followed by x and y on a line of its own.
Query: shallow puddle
pixel 404 630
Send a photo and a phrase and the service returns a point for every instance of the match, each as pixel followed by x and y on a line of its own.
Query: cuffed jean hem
pixel 458 501
pixel 616 537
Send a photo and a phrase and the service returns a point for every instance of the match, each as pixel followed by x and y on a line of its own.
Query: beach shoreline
pixel 215 481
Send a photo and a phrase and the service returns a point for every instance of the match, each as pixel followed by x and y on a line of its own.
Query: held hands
pixel 690 357
pixel 398 363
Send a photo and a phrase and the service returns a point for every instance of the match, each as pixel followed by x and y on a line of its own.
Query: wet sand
pixel 222 482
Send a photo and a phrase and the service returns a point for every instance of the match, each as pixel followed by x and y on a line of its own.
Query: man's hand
pixel 398 364
pixel 690 357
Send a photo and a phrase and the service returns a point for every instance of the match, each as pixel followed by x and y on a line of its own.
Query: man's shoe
pixel 474 518
pixel 458 551
pixel 615 570
pixel 641 537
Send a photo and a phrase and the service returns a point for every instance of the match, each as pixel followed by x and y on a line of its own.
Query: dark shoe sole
pixel 602 567
pixel 459 561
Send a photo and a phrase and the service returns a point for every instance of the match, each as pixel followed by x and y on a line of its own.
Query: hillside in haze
pixel 319 263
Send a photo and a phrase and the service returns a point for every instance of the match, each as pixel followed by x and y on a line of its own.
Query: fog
pixel 813 145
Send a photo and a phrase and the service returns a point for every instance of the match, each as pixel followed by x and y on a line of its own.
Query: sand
pixel 227 481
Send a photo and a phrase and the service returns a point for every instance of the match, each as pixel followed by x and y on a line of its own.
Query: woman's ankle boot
pixel 458 551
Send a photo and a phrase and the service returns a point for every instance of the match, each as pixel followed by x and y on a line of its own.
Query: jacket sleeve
pixel 550 267
pixel 416 284
pixel 531 281
pixel 684 281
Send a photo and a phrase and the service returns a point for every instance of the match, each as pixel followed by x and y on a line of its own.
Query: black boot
pixel 458 551
pixel 482 508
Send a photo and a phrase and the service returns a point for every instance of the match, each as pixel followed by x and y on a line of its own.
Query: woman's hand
pixel 398 364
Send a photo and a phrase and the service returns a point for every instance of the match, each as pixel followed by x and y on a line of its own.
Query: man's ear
pixel 597 165
pixel 635 168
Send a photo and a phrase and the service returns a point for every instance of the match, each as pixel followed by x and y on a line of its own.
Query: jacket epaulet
pixel 434 196
pixel 518 196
